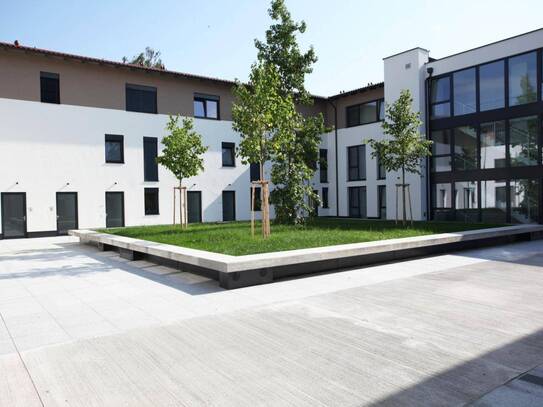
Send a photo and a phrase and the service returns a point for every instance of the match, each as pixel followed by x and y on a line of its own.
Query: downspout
pixel 336 155
pixel 430 71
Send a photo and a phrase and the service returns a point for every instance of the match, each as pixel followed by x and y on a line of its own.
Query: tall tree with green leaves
pixel 148 58
pixel 183 150
pixel 406 147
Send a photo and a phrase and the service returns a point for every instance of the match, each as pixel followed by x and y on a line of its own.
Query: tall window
pixel 228 155
pixel 440 98
pixel 523 79
pixel 441 151
pixel 492 86
pixel 258 198
pixel 150 153
pixel 206 106
pixel 494 201
pixel 493 145
pixel 357 162
pixel 254 171
pixel 467 208
pixel 357 202
pixel 365 113
pixel 523 141
pixel 228 205
pixel 381 171
pixel 114 149
pixel 464 92
pixel 323 164
pixel 50 87
pixel 382 201
pixel 465 148
pixel 151 201
pixel 141 99
pixel 325 197
pixel 524 201
pixel 441 201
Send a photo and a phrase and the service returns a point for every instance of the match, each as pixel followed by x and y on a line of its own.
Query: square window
pixel 114 149
pixel 206 106
pixel 151 201
pixel 142 99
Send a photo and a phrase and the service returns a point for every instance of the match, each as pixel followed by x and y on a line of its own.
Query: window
pixel 492 86
pixel 441 151
pixel 442 201
pixel 323 160
pixel 440 97
pixel 357 162
pixel 228 155
pixel 494 201
pixel 365 113
pixel 522 79
pixel 382 201
pixel 523 141
pixel 382 110
pixel 114 149
pixel 467 208
pixel 465 148
pixel 258 198
pixel 150 153
pixel 228 205
pixel 357 202
pixel 464 92
pixel 141 99
pixel 151 201
pixel 50 87
pixel 206 106
pixel 194 206
pixel 254 171
pixel 524 201
pixel 325 197
pixel 381 171
pixel 493 145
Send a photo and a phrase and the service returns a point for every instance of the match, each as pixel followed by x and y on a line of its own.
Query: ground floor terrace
pixel 84 327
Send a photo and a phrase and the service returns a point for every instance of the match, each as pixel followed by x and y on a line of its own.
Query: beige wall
pixel 342 102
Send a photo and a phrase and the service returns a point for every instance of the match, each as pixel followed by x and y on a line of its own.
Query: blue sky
pixel 215 37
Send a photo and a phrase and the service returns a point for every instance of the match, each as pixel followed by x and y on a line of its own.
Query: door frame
pixel 4 218
pixel 105 206
pixel 76 209
pixel 200 200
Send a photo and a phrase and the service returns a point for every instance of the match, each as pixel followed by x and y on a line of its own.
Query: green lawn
pixel 235 238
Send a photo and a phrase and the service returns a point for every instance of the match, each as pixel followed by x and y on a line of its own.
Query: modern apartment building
pixel 79 137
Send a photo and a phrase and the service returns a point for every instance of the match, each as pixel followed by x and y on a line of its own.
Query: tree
pixel 261 115
pixel 281 49
pixel 183 150
pixel 149 59
pixel 406 148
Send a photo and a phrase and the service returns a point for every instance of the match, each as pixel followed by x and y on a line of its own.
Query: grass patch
pixel 235 238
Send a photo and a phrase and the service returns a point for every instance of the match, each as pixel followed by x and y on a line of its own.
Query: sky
pixel 216 37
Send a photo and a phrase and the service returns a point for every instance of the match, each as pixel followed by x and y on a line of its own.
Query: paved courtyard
pixel 81 327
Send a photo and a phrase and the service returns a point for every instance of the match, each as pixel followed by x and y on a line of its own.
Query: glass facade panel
pixel 493 145
pixel 523 79
pixel 467 208
pixel 441 142
pixel 465 148
pixel 441 196
pixel 492 86
pixel 441 110
pixel 523 141
pixel 464 92
pixel 524 201
pixel 441 90
pixel 494 201
pixel 441 164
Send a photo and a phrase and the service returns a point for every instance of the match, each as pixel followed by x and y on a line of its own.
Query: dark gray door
pixel 194 206
pixel 114 209
pixel 66 212
pixel 228 205
pixel 13 214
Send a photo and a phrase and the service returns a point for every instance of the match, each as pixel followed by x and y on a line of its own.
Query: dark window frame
pixel 148 174
pixel 232 147
pixel 114 138
pixel 45 81
pixel 323 165
pixel 201 97
pixel 361 171
pixel 362 196
pixel 130 105
pixel 232 193
pixel 381 175
pixel 378 102
pixel 325 202
pixel 151 190
pixel 258 198
pixel 380 204
pixel 254 172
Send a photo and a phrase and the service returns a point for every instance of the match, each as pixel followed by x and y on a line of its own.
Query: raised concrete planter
pixel 241 271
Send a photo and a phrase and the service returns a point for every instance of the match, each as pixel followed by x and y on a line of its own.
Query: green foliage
pixel 183 149
pixel 281 50
pixel 149 59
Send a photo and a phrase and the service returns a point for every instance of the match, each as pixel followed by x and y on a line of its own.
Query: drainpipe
pixel 336 155
pixel 430 71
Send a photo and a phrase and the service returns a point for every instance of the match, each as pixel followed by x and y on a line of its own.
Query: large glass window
pixel 492 86
pixel 524 201
pixel 523 141
pixel 440 98
pixel 494 201
pixel 467 208
pixel 493 145
pixel 464 92
pixel 365 113
pixel 357 202
pixel 141 99
pixel 523 79
pixel 357 162
pixel 442 201
pixel 206 106
pixel 465 148
pixel 441 150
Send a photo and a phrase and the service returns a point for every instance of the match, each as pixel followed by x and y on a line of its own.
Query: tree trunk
pixel 404 213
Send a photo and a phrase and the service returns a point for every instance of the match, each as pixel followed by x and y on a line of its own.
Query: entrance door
pixel 13 214
pixel 194 206
pixel 66 212
pixel 228 205
pixel 114 209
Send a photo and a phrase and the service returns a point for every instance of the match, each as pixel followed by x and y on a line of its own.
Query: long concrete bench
pixel 241 271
